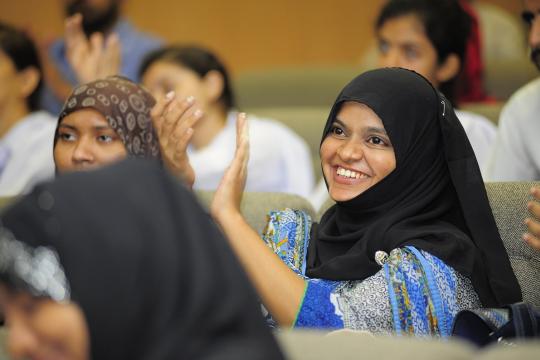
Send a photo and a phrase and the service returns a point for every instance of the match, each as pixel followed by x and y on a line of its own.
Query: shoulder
pixel 523 101
pixel 287 234
pixel 472 120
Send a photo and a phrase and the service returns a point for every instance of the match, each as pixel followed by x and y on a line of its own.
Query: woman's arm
pixel 280 289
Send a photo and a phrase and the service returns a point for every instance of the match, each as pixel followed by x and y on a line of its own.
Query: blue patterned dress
pixel 414 293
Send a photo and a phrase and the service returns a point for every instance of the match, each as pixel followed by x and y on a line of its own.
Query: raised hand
pixel 91 58
pixel 231 188
pixel 532 237
pixel 173 120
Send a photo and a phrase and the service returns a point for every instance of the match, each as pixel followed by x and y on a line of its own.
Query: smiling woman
pixel 357 153
pixel 411 239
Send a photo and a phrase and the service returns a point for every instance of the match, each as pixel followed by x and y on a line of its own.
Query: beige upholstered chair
pixel 306 121
pixel 293 86
pixel 509 204
pixel 256 205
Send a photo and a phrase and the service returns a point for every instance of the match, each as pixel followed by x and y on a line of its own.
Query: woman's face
pixel 9 83
pixel 86 141
pixel 404 43
pixel 357 153
pixel 44 329
pixel 164 76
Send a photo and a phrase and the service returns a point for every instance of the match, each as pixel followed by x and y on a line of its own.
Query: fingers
pixel 532 237
pixel 241 156
pixel 532 241
pixel 173 113
pixel 74 32
pixel 182 132
pixel 535 192
pixel 110 61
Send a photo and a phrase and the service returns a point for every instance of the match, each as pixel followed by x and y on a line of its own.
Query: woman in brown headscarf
pixel 104 121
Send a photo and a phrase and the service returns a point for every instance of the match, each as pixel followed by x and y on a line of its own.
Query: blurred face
pixel 530 15
pixel 357 152
pixel 86 141
pixel 404 43
pixel 9 82
pixel 163 76
pixel 44 329
pixel 98 15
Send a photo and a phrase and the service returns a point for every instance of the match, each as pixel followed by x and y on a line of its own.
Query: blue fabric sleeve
pixel 317 309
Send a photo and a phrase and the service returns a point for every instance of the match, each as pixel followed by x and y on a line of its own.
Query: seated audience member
pixel 411 239
pixel 102 122
pixel 429 37
pixel 516 151
pixel 280 160
pixel 101 27
pixel 122 263
pixel 532 237
pixel 25 133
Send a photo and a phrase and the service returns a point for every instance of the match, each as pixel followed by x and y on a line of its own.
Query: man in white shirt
pixel 26 135
pixel 516 152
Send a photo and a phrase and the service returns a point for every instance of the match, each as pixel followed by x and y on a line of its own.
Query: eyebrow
pixel 370 129
pixel 107 127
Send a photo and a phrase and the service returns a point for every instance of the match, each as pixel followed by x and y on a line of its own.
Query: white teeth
pixel 350 174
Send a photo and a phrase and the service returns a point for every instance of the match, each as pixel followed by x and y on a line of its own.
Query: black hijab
pixel 151 272
pixel 434 199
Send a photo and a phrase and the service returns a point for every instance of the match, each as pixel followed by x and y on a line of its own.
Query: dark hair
pixel 446 24
pixel 22 51
pixel 197 59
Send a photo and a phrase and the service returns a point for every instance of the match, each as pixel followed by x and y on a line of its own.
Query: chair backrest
pixel 293 86
pixel 306 121
pixel 508 202
pixel 256 205
pixel 509 205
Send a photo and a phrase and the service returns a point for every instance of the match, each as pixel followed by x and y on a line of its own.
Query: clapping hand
pixel 231 188
pixel 173 120
pixel 90 58
pixel 532 237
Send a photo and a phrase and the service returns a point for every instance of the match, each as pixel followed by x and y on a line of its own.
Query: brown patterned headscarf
pixel 126 106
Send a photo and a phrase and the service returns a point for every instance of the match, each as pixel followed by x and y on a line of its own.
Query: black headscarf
pixel 151 272
pixel 434 199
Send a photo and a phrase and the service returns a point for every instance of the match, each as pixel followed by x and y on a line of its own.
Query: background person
pixel 280 160
pixel 516 152
pixel 102 122
pixel 103 30
pixel 25 132
pixel 401 212
pixel 148 277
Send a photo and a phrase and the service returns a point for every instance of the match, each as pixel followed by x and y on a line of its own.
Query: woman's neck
pixel 208 127
pixel 10 115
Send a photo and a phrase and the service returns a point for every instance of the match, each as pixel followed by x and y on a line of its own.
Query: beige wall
pixel 246 33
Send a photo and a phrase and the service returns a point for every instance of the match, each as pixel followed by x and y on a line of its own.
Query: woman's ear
pixel 449 69
pixel 214 83
pixel 28 81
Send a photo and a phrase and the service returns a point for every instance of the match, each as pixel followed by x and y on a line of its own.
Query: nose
pixel 534 33
pixel 82 153
pixel 390 58
pixel 21 342
pixel 350 151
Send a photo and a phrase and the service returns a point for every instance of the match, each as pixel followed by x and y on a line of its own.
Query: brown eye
pixel 375 140
pixel 336 130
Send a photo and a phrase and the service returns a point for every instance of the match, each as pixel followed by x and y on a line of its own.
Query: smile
pixel 350 174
